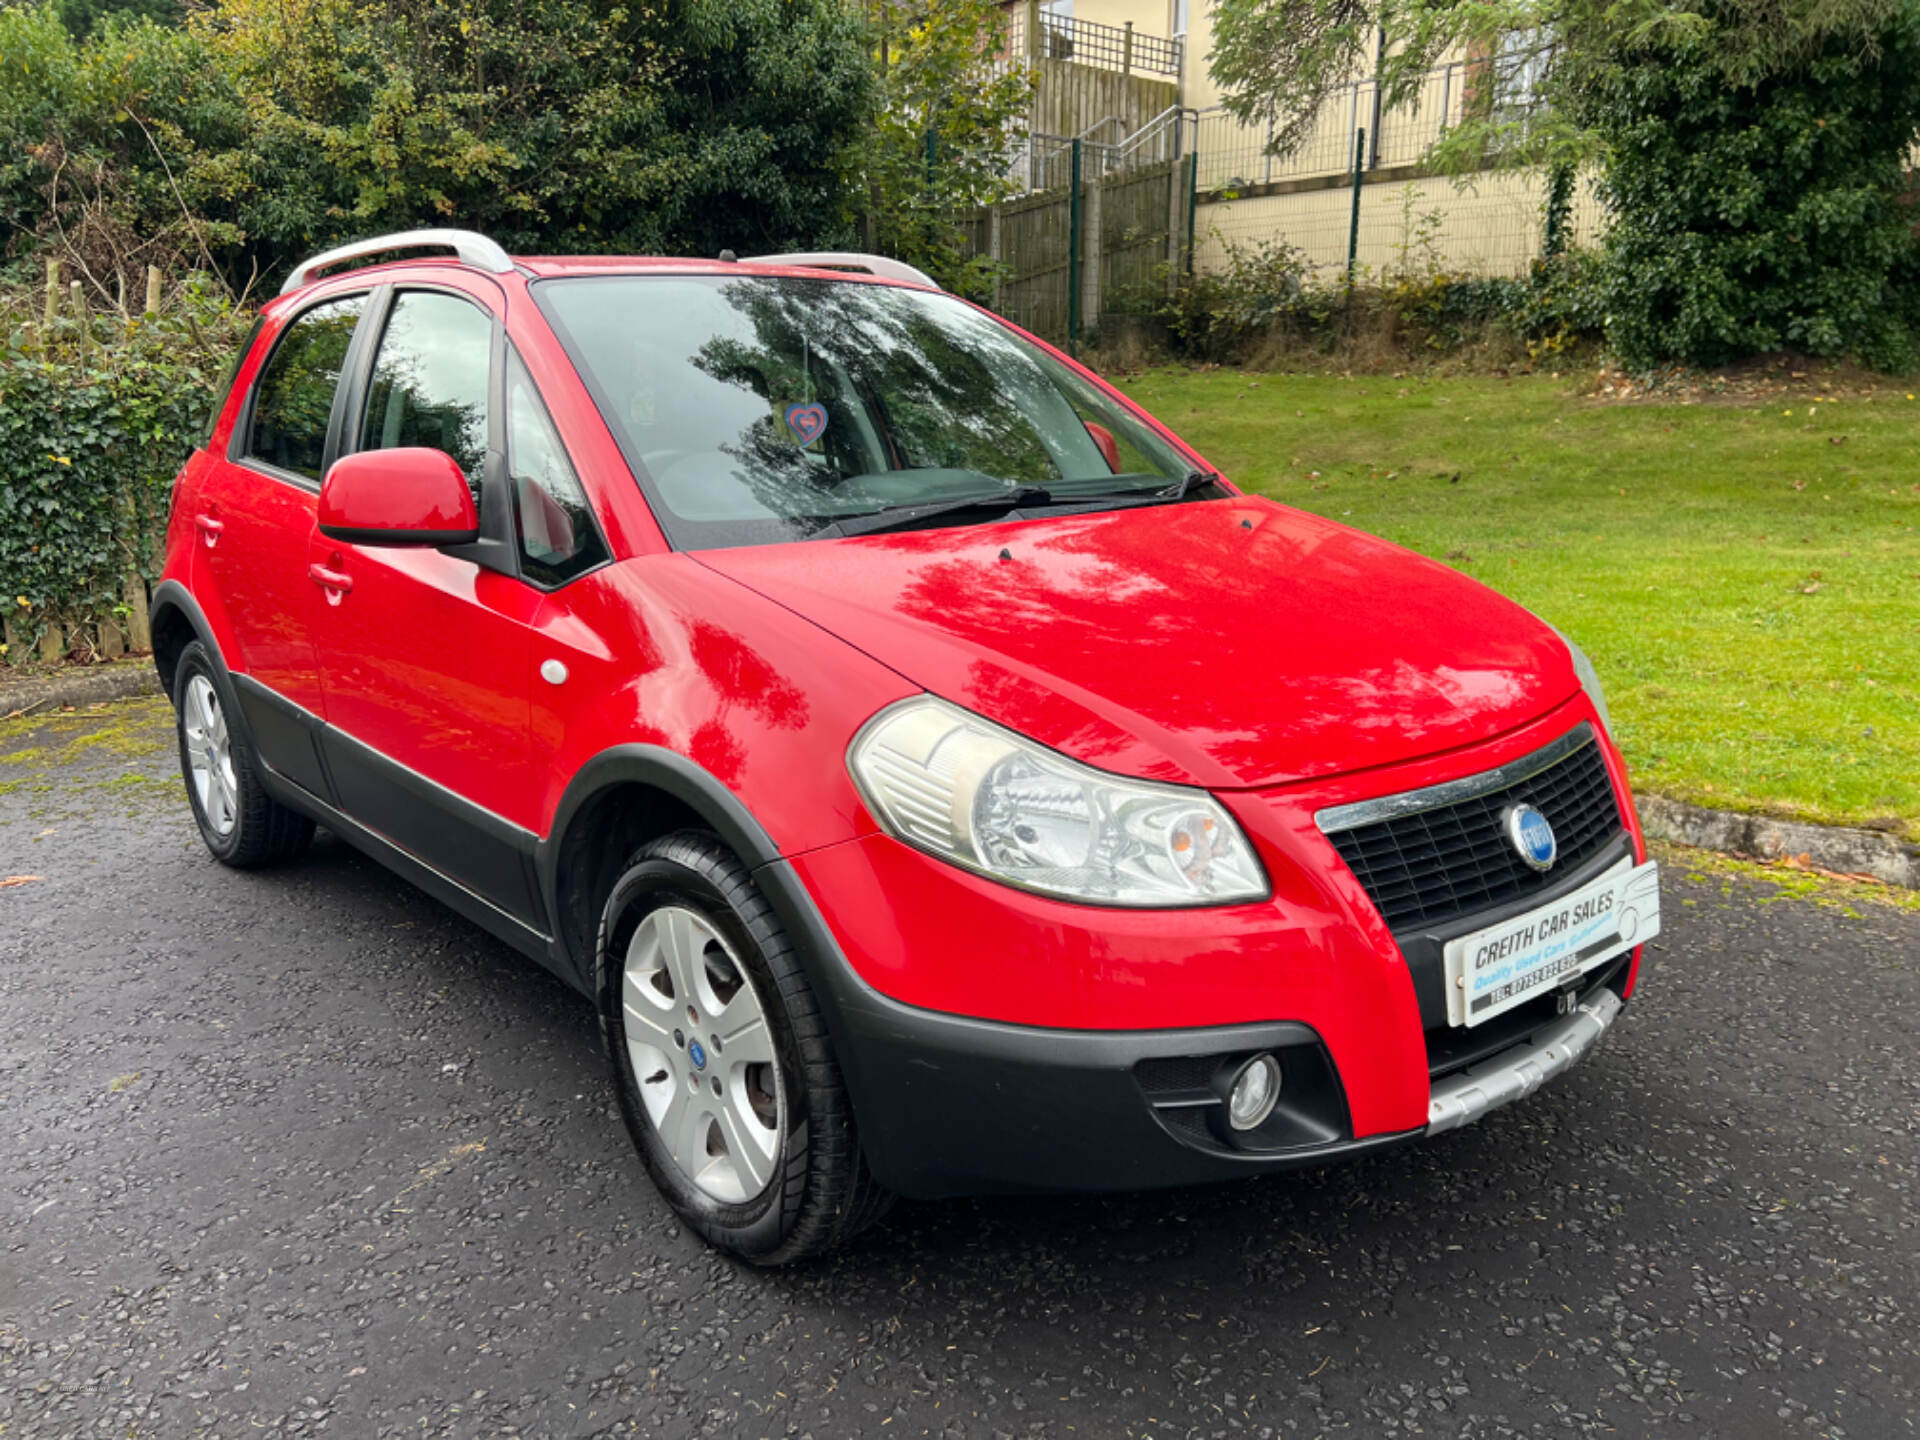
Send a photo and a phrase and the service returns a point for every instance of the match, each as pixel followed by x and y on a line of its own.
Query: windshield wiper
pixel 905 516
pixel 1179 492
pixel 901 517
pixel 1140 495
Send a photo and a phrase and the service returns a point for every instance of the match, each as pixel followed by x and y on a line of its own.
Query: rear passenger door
pixel 253 516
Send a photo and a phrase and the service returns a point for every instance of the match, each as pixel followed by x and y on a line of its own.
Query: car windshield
pixel 759 409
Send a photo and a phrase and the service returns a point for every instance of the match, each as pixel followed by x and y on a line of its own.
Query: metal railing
pixel 1111 47
pixel 1233 155
pixel 1042 161
pixel 1087 42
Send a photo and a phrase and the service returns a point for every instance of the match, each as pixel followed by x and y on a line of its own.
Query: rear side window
pixel 430 381
pixel 295 397
pixel 550 511
pixel 226 381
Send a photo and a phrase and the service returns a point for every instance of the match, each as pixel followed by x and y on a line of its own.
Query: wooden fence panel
pixel 1134 211
pixel 1123 263
pixel 1033 249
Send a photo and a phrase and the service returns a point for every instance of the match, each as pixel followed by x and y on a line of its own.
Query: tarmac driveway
pixel 301 1152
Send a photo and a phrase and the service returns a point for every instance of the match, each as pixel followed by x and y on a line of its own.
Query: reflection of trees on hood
pixel 946 389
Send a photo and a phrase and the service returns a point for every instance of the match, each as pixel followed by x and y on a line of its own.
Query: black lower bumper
pixel 949 1106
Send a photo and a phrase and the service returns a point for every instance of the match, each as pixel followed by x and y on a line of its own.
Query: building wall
pixel 1491 226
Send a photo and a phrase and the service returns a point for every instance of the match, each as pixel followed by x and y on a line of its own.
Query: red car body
pixel 1282 662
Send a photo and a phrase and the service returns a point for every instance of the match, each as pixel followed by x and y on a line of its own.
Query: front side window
pixel 430 379
pixel 294 400
pixel 551 516
pixel 763 409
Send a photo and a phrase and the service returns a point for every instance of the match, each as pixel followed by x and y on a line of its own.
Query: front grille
pixel 1435 865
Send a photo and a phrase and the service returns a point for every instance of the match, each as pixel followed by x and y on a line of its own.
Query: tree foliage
pixel 1775 216
pixel 1752 152
pixel 949 111
pixel 263 129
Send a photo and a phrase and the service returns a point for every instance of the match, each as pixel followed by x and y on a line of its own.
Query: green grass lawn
pixel 1746 576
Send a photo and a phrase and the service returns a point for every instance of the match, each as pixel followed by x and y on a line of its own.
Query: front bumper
pixel 949 1105
pixel 993 1040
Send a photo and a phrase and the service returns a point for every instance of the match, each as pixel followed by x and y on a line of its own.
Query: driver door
pixel 424 651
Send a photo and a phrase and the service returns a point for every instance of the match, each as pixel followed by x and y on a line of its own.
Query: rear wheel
pixel 241 824
pixel 721 1059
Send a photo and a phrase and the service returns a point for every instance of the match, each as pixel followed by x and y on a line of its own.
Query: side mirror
pixel 1109 447
pixel 410 496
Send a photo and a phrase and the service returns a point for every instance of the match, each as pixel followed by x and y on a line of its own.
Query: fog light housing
pixel 1254 1093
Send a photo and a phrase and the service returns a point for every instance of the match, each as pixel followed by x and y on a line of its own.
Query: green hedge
pixel 96 418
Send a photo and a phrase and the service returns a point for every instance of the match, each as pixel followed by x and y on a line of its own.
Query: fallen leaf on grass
pixel 13 880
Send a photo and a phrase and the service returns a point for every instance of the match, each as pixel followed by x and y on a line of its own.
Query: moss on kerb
pixel 1790 882
pixel 122 730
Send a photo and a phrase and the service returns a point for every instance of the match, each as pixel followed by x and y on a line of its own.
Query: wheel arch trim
pixel 170 597
pixel 656 768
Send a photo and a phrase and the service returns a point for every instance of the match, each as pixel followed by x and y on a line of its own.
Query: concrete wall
pixel 1492 226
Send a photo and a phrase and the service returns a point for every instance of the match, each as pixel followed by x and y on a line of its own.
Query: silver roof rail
pixel 468 248
pixel 878 265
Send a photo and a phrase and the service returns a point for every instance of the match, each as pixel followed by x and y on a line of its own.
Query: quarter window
pixel 430 381
pixel 294 401
pixel 554 522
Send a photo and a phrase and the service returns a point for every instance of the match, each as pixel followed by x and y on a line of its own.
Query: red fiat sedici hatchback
pixel 941 779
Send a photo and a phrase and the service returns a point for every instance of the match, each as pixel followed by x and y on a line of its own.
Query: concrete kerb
pixel 85 685
pixel 1761 837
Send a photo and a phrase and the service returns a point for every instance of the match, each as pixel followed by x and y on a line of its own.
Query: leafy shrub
pixel 1267 293
pixel 1216 316
pixel 96 418
pixel 1762 217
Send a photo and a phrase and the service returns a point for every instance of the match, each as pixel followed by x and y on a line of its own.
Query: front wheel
pixel 721 1059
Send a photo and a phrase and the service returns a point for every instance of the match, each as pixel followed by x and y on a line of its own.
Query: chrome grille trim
pixel 1337 818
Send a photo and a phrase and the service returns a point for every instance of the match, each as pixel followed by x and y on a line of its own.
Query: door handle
pixel 335 583
pixel 210 529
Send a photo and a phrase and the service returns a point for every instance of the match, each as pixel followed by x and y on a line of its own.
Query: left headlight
pixel 948 782
pixel 1589 677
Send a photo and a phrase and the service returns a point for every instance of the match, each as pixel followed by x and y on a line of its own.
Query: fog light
pixel 1256 1089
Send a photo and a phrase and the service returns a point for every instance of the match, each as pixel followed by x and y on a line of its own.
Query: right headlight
pixel 948 782
pixel 1589 677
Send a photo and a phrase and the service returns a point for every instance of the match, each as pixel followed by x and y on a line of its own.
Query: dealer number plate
pixel 1493 970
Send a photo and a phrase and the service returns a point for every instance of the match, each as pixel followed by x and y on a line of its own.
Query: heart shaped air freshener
pixel 807 422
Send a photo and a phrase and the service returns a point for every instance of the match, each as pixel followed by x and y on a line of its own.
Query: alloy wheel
pixel 210 756
pixel 702 1054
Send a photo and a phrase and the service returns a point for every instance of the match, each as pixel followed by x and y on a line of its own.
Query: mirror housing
pixel 1108 446
pixel 408 496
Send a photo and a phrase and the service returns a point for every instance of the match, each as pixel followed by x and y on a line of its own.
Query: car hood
pixel 1229 643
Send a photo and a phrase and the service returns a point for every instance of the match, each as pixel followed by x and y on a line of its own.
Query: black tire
pixel 262 830
pixel 820 1194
